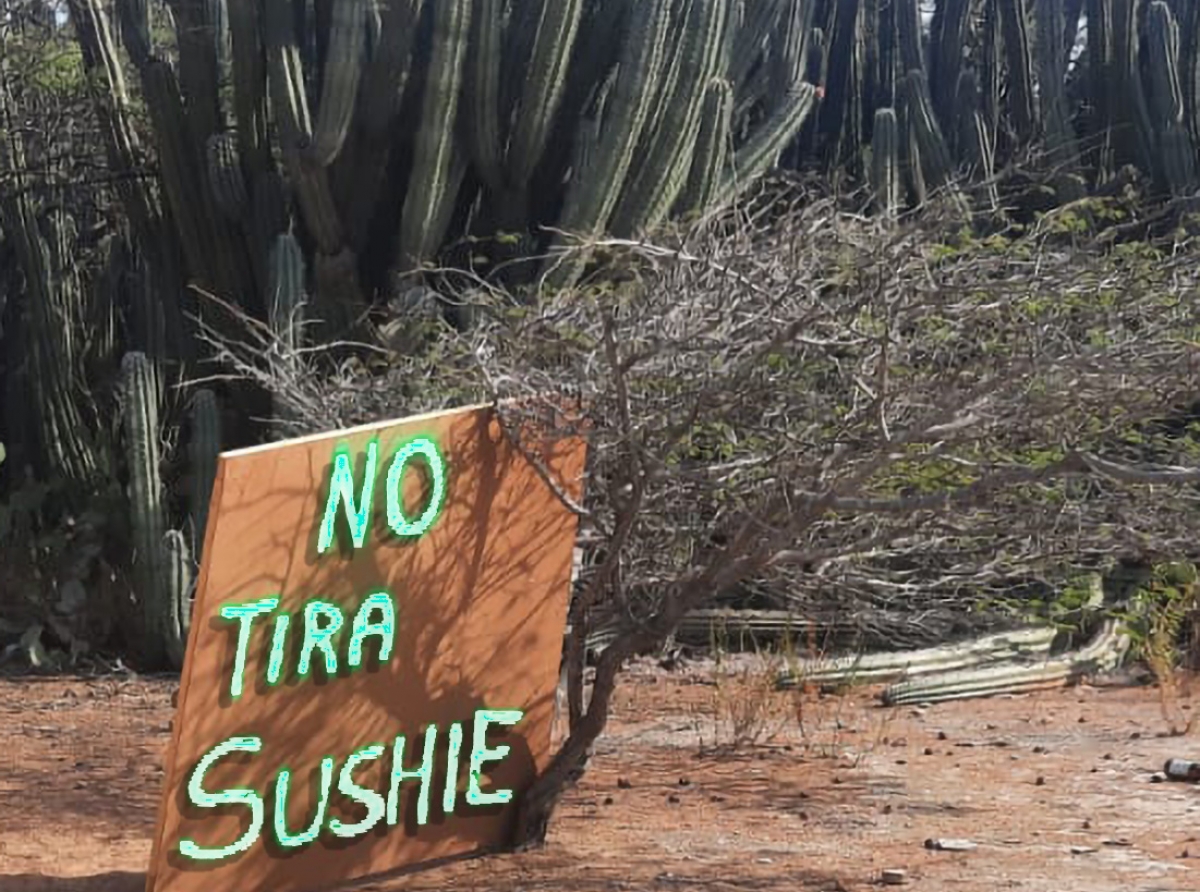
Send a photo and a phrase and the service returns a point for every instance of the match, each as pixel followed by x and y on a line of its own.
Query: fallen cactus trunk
pixel 1102 654
pixel 886 667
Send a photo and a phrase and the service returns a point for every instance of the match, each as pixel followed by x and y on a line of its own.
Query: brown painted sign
pixel 370 678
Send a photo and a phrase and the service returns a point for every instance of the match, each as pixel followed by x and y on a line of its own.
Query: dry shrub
pixel 824 403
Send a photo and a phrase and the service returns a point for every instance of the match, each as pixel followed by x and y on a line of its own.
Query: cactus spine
pixel 345 49
pixel 225 175
pixel 433 162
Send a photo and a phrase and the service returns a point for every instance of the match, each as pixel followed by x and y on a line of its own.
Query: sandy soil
pixel 1055 790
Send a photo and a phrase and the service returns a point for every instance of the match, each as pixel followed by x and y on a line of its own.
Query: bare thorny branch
pixel 838 389
pixel 883 422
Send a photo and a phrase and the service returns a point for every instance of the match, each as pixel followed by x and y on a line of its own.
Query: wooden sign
pixel 370 677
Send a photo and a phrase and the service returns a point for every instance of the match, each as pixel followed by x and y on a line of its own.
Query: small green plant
pixel 1167 604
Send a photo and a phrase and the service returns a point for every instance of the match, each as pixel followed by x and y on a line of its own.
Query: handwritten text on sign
pixel 324 624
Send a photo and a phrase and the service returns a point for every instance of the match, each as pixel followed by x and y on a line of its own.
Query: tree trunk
pixel 538 805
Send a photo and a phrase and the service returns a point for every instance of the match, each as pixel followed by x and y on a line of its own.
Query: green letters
pixel 201 798
pixel 480 753
pixel 370 798
pixel 283 836
pixel 400 525
pixel 318 637
pixel 399 774
pixel 385 628
pixel 341 489
pixel 245 614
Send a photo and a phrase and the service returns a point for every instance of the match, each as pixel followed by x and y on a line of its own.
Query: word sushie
pixel 333 639
pixel 380 805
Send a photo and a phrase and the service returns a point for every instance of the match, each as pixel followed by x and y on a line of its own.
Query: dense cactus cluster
pixel 384 133
pixel 309 153
pixel 401 127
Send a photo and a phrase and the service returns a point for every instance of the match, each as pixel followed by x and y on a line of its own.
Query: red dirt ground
pixel 1054 789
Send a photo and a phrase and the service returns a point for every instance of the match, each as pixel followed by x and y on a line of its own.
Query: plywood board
pixel 480 605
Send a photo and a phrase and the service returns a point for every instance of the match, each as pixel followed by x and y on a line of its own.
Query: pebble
pixel 949 845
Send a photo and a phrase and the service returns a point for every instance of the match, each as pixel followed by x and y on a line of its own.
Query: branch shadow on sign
pixel 480 606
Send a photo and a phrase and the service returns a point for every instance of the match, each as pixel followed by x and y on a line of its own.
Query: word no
pixel 358 511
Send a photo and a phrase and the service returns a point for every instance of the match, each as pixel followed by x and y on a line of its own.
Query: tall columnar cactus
pixel 225 176
pixel 1122 127
pixel 290 109
pixel 712 145
pixel 1014 30
pixel 287 310
pixel 249 73
pixel 162 561
pixel 1058 131
pixel 1100 82
pixel 990 69
pixel 56 324
pixel 1189 67
pixel 204 446
pixel 436 170
pixel 136 28
pixel 976 149
pixel 365 101
pixel 147 511
pixel 482 115
pixel 485 135
pixel 755 25
pixel 178 580
pixel 1174 153
pixel 287 291
pixel 345 50
pixel 180 169
pixel 885 162
pixel 948 36
pixel 665 154
pixel 542 89
pixel 908 35
pixel 763 146
pixel 840 115
pixel 607 148
pixel 934 157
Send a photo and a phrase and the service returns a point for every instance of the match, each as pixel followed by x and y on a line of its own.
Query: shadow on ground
pixel 115 881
